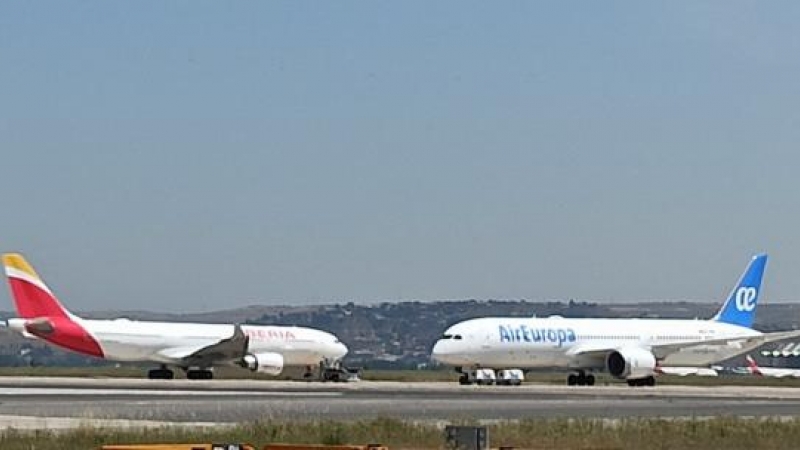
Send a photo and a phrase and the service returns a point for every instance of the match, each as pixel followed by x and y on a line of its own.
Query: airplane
pixel 629 349
pixel 776 372
pixel 195 348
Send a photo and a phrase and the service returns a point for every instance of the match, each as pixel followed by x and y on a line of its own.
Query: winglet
pixel 740 307
pixel 31 295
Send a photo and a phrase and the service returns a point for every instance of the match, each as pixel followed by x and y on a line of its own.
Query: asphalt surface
pixel 229 401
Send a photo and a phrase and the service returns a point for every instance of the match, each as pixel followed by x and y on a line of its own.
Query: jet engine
pixel 269 363
pixel 631 362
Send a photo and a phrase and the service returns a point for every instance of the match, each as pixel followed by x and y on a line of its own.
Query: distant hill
pixel 400 334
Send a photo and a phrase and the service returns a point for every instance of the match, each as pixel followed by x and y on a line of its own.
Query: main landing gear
pixel 162 373
pixel 199 374
pixel 581 378
pixel 648 381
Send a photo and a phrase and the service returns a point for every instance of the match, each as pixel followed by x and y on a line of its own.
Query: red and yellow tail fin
pixel 31 295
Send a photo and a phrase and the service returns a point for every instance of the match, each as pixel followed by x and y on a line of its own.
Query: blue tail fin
pixel 740 307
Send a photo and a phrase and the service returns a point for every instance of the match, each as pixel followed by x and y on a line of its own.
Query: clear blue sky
pixel 205 155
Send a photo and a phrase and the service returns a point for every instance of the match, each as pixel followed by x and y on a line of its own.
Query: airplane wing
pixel 593 355
pixel 684 371
pixel 745 343
pixel 232 348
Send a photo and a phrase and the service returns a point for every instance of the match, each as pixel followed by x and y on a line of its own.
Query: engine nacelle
pixel 269 363
pixel 631 362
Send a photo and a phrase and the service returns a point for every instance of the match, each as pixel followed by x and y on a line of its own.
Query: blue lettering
pixel 562 337
pixel 505 336
pixel 525 333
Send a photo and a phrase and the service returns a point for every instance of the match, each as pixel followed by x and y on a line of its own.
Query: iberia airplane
pixel 196 348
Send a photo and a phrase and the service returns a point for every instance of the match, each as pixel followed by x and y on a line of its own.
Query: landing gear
pixel 331 375
pixel 199 374
pixel 162 373
pixel 581 378
pixel 636 382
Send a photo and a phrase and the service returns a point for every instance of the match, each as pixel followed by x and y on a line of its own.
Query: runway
pixel 231 401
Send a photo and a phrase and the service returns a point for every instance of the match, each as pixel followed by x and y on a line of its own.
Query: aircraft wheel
pixel 649 381
pixel 464 380
pixel 200 374
pixel 590 380
pixel 160 374
pixel 572 379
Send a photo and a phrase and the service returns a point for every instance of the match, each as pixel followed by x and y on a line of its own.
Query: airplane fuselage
pixel 130 340
pixel 514 342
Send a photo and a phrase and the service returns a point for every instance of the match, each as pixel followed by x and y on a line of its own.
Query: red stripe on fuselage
pixel 33 302
pixel 69 334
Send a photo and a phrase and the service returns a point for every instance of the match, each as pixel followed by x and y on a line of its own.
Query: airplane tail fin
pixel 752 366
pixel 740 307
pixel 31 295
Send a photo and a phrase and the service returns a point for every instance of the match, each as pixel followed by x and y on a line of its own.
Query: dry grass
pixel 568 434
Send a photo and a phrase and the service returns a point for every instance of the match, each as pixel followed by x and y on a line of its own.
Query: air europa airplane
pixel 629 349
pixel 195 348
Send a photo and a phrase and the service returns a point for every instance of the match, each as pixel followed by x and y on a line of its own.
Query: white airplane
pixel 777 372
pixel 629 349
pixel 196 348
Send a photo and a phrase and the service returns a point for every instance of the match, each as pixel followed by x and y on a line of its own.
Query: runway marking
pixel 155 393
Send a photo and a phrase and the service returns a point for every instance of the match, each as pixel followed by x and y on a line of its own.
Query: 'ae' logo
pixel 746 298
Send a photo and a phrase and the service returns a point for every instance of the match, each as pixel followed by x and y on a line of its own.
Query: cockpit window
pixel 457 337
pixel 447 336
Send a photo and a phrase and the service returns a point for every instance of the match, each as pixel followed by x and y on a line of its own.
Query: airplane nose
pixel 438 353
pixel 341 350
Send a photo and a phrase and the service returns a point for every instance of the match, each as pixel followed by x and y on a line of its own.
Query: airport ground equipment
pixel 179 447
pixel 324 447
pixel 459 437
pixel 510 377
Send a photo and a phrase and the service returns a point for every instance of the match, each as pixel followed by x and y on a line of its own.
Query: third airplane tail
pixel 752 367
